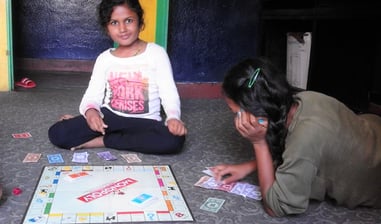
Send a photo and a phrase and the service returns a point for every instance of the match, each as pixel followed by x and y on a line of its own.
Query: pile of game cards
pixel 240 188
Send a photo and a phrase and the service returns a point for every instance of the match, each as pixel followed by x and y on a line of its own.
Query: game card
pixel 32 158
pixel 131 158
pixel 22 135
pixel 55 158
pixel 76 176
pixel 143 200
pixel 80 157
pixel 240 188
pixel 208 171
pixel 212 204
pixel 106 156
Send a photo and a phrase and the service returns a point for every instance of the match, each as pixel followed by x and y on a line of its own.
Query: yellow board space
pixel 5 72
pixel 149 32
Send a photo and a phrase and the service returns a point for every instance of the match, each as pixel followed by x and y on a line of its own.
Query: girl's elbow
pixel 269 211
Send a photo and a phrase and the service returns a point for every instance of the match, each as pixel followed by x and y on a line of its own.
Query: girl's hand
pixel 251 127
pixel 227 173
pixel 176 127
pixel 95 121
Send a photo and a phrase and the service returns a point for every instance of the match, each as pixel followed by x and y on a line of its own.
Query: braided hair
pixel 258 87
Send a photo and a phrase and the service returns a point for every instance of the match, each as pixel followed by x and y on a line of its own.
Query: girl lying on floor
pixel 307 145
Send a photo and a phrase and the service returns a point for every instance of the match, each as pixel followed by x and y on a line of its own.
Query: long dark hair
pixel 106 7
pixel 257 86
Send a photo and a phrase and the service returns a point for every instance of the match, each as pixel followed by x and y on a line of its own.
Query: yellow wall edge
pixel 149 32
pixel 4 52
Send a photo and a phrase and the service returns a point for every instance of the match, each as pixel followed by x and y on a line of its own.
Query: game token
pixel 16 191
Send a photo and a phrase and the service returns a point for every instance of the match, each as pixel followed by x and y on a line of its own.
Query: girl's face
pixel 123 27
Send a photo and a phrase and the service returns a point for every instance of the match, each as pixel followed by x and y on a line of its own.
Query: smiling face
pixel 124 26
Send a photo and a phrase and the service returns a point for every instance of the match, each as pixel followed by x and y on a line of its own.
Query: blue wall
pixel 205 37
pixel 57 29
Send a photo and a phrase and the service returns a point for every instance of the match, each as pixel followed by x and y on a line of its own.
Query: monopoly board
pixel 107 194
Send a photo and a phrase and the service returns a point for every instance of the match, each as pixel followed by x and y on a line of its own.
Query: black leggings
pixel 134 134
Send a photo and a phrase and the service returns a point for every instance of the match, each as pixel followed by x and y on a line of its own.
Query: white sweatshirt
pixel 134 86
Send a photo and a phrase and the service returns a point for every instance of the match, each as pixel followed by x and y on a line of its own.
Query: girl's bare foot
pixel 93 143
pixel 66 117
pixel 76 147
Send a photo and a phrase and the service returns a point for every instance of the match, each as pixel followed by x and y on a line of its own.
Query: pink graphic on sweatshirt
pixel 129 92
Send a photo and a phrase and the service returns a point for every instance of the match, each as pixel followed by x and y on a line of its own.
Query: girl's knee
pixel 57 136
pixel 176 145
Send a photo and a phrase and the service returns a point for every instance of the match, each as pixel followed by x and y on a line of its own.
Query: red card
pixel 22 135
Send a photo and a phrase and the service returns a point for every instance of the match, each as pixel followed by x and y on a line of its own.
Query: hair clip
pixel 253 77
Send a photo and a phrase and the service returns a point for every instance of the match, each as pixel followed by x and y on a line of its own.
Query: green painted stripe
pixel 47 209
pixel 162 22
pixel 10 43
